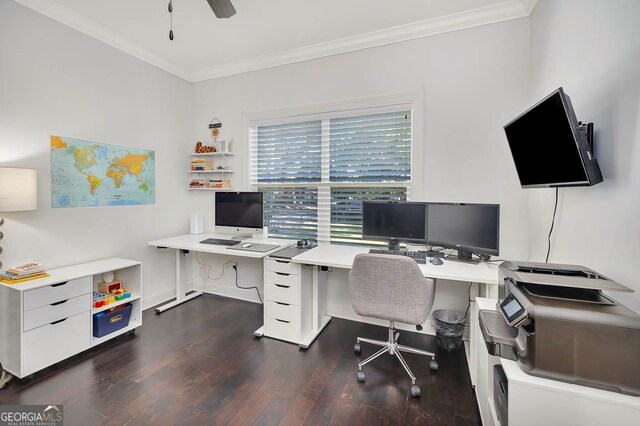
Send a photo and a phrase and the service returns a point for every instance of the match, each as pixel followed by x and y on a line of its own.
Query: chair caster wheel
pixel 433 365
pixel 357 349
pixel 415 391
pixel 361 377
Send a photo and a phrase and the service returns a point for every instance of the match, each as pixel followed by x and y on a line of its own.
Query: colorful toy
pixel 109 287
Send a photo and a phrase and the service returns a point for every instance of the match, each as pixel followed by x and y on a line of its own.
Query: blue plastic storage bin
pixel 108 321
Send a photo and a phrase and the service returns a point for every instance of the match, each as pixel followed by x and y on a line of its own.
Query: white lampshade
pixel 18 189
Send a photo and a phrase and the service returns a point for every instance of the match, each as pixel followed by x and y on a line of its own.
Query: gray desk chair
pixel 391 288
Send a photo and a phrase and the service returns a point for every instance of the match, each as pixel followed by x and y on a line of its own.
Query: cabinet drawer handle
pixel 282 273
pixel 58 322
pixel 59 284
pixel 283 286
pixel 287 322
pixel 281 303
pixel 60 302
pixel 282 261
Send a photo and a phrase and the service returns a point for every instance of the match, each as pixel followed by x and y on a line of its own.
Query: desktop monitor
pixel 239 211
pixel 468 228
pixel 394 222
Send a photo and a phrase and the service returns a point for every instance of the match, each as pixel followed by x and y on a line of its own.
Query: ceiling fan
pixel 221 8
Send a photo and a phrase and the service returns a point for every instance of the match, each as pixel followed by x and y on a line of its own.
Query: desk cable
pixel 209 267
pixel 235 268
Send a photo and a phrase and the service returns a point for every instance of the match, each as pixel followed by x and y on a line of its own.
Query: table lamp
pixel 18 192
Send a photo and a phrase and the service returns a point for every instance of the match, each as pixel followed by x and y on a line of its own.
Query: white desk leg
pixel 181 294
pixel 319 303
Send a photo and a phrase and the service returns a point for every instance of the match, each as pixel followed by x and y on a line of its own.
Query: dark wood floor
pixel 199 364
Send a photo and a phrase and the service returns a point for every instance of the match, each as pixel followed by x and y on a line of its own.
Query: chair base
pixel 5 377
pixel 393 348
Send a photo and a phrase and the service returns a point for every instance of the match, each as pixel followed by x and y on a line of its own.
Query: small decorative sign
pixel 204 149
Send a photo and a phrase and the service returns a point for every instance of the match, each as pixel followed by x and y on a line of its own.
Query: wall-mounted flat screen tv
pixel 550 148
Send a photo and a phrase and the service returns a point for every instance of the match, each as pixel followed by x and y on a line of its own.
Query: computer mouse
pixel 436 261
pixel 246 245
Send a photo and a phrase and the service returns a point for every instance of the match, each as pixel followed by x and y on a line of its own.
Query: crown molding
pixel 505 11
pixel 529 5
pixel 91 28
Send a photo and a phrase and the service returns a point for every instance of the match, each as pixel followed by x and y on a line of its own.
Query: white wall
pixel 592 49
pixel 473 82
pixel 55 80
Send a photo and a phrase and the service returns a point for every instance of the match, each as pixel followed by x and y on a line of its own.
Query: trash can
pixel 449 327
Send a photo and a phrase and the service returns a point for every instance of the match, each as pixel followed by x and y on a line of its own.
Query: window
pixel 315 173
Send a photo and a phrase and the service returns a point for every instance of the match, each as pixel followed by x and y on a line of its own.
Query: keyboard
pixel 415 255
pixel 218 242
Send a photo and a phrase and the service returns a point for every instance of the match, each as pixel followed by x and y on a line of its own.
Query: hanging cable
pixel 170 20
pixel 553 221
pixel 209 267
pixel 235 268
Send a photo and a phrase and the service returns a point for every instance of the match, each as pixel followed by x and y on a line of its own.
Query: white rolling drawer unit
pixel 287 304
pixel 47 320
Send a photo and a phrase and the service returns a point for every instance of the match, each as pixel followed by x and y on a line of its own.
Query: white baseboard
pixel 227 291
pixel 347 312
pixel 151 301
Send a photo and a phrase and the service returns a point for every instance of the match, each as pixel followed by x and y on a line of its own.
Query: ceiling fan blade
pixel 222 8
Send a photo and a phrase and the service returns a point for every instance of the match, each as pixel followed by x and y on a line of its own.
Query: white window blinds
pixel 288 153
pixel 371 148
pixel 291 212
pixel 316 173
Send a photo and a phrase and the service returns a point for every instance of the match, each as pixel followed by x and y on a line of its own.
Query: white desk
pixel 341 256
pixel 191 242
pixel 325 255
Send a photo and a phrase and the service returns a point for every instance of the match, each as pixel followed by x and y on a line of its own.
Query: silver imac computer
pixel 239 213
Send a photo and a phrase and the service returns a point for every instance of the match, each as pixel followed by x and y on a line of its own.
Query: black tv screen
pixel 548 147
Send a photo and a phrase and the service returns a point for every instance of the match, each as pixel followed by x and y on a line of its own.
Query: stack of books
pixel 27 272
pixel 201 164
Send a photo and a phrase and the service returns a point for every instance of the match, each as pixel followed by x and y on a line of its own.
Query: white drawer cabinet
pixel 54 342
pixel 284 266
pixel 57 292
pixel 287 306
pixel 56 311
pixel 45 321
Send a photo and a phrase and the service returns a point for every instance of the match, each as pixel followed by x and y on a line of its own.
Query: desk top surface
pixel 341 256
pixel 192 242
pixel 332 255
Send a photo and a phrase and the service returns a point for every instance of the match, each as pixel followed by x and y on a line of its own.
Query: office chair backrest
pixel 390 287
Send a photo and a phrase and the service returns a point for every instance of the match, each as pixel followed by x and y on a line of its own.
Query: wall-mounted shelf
pixel 213 154
pixel 204 170
pixel 212 189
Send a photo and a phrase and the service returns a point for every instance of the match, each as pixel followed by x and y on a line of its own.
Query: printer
pixel 557 322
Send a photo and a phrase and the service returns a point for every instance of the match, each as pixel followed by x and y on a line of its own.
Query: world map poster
pixel 86 174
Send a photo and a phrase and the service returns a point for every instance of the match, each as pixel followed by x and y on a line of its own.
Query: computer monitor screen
pixel 239 209
pixel 465 227
pixel 402 221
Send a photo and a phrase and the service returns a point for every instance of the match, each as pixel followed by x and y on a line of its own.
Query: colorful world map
pixel 85 174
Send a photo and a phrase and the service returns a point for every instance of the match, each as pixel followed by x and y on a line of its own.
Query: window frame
pixel 412 101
